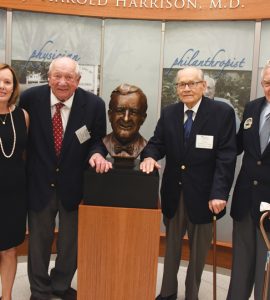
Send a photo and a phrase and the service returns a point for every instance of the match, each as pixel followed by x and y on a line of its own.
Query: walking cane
pixel 267 242
pixel 214 257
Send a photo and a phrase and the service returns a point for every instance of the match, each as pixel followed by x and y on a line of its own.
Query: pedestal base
pixel 118 253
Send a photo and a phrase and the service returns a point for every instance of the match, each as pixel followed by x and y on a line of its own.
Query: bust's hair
pixel 125 89
pixel 16 84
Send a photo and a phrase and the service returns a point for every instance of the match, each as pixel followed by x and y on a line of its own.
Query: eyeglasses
pixel 191 84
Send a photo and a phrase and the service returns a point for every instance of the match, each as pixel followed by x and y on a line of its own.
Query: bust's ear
pixel 143 118
pixel 110 115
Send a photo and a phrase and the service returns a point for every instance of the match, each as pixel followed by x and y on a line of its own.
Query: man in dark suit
pixel 66 130
pixel 197 137
pixel 252 187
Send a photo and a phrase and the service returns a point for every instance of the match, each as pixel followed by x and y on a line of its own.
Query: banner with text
pixel 224 50
pixel 2 34
pixel 33 48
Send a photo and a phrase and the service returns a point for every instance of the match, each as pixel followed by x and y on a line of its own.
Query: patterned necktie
pixel 188 125
pixel 57 128
pixel 265 133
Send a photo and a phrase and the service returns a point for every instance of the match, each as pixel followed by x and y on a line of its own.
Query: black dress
pixel 12 181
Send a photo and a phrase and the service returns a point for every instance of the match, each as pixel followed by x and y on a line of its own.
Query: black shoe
pixel 69 294
pixel 171 297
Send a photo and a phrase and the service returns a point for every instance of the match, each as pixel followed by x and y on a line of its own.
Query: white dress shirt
pixel 65 110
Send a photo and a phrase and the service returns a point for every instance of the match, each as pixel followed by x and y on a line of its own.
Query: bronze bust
pixel 127 112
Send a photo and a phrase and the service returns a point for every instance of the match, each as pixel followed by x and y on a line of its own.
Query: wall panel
pixel 264 53
pixel 132 55
pixel 39 38
pixel 2 34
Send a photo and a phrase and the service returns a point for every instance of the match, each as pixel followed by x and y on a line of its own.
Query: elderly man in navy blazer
pixel 197 138
pixel 252 187
pixel 66 131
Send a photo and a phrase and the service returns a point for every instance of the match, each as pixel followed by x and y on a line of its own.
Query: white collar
pixel 194 108
pixel 68 102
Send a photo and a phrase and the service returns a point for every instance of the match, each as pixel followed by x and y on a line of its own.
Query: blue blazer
pixel 253 182
pixel 46 173
pixel 201 174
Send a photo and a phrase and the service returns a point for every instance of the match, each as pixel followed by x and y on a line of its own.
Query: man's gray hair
pixel 200 71
pixel 77 68
pixel 267 66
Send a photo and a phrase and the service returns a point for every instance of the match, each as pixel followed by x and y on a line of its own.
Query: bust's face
pixel 126 117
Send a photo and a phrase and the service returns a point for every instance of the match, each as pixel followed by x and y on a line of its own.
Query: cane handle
pixel 267 242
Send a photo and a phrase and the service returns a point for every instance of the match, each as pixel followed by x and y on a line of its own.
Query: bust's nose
pixel 127 114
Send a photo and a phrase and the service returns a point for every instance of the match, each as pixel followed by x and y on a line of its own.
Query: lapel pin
pixel 248 123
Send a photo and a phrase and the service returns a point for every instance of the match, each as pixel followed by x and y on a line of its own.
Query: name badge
pixel 204 141
pixel 83 134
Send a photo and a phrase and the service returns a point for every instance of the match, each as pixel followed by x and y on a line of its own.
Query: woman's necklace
pixel 4 121
pixel 14 137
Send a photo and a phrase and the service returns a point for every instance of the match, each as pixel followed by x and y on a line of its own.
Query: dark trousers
pixel 249 257
pixel 41 234
pixel 200 236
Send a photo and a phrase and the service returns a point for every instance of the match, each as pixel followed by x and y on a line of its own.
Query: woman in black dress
pixel 13 133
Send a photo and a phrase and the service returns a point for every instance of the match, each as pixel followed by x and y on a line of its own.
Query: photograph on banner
pixel 3 15
pixel 33 48
pixel 264 54
pixel 224 50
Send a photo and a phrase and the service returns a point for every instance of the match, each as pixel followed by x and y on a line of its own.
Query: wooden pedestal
pixel 118 252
